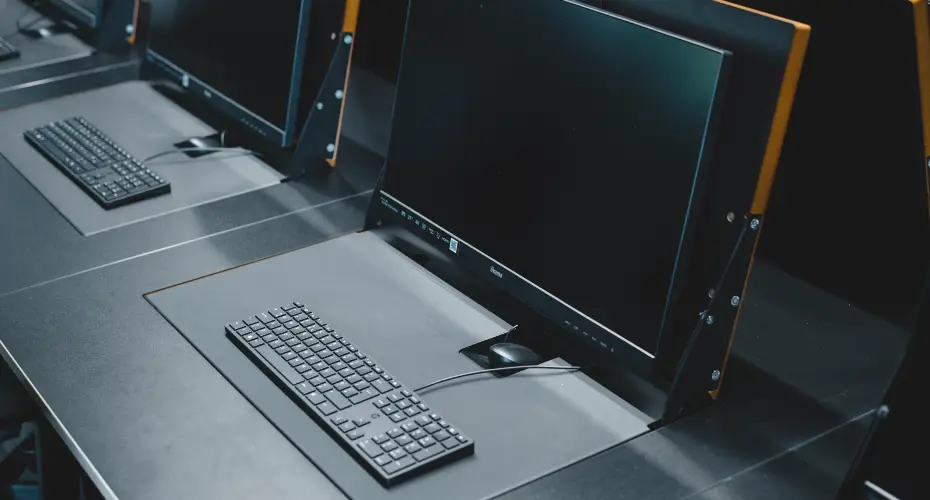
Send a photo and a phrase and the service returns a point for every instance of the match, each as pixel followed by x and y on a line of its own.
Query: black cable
pixel 204 149
pixel 492 370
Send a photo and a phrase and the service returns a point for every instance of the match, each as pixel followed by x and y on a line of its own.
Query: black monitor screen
pixel 88 12
pixel 247 51
pixel 559 144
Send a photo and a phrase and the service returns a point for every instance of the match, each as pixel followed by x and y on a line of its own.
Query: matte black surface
pixel 413 324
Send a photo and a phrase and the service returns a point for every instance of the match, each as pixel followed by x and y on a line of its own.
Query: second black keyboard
pixel 110 175
pixel 379 421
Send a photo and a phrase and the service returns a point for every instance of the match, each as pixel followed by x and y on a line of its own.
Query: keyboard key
pixel 304 388
pixel 279 364
pixel 398 417
pixel 395 432
pixel 450 443
pixel 410 427
pixel 383 460
pixel 398 465
pixel 346 426
pixel 363 395
pixel 427 453
pixel 418 434
pixel 380 438
pixel 423 420
pixel 361 421
pixel 326 408
pixel 427 442
pixel 432 428
pixel 396 452
pixel 316 398
pixel 355 434
pixel 381 386
pixel 337 399
pixel 404 440
pixel 441 436
pixel 370 448
pixel 338 419
pixel 412 448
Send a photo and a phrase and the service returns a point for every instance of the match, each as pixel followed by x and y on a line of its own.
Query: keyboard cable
pixel 203 150
pixel 492 370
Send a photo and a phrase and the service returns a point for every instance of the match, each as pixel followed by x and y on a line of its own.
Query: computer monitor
pixel 244 58
pixel 87 12
pixel 557 151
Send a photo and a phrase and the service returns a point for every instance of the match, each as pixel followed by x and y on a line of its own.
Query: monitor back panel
pixel 768 54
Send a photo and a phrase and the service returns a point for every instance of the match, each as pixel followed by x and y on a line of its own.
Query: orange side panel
pixel 135 23
pixel 789 85
pixel 349 23
pixel 922 35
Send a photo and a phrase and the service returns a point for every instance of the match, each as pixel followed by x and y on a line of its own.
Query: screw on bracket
pixel 715 375
pixel 734 300
pixel 754 224
pixel 709 320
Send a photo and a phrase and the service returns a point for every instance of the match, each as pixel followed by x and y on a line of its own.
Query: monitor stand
pixel 216 140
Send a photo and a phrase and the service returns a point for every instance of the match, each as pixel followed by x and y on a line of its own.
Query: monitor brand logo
pixel 497 273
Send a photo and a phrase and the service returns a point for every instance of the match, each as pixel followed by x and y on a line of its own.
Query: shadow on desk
pixel 806 372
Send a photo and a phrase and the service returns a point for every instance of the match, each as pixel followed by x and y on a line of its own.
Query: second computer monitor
pixel 243 57
pixel 86 12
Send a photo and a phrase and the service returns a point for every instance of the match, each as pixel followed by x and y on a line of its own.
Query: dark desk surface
pixel 148 417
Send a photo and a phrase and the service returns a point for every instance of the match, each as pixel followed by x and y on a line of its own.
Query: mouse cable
pixel 205 150
pixel 491 370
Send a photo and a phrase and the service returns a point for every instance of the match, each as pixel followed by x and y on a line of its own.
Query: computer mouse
pixel 507 354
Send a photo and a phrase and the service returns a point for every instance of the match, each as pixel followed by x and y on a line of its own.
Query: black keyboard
pixel 7 50
pixel 110 175
pixel 379 421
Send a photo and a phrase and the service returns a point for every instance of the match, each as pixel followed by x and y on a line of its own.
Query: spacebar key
pixel 279 364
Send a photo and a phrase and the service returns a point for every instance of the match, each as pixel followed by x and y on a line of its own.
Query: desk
pixel 56 65
pixel 149 418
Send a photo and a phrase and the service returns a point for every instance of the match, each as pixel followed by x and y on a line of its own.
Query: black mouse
pixel 507 354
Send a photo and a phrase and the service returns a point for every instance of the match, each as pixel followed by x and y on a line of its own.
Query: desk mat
pixel 144 123
pixel 35 52
pixel 524 426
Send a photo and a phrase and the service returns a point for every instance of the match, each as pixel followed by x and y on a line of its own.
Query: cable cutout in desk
pixel 492 370
pixel 204 150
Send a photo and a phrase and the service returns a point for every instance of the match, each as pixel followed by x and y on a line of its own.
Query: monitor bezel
pixel 387 209
pixel 246 118
pixel 92 20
